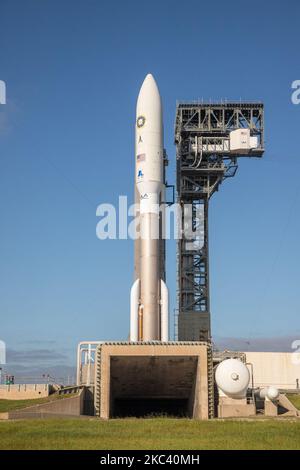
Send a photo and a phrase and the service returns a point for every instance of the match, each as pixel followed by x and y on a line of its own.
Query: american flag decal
pixel 141 157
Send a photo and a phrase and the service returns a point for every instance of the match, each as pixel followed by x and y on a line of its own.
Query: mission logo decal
pixel 140 121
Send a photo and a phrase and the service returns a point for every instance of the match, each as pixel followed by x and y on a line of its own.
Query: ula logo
pixel 2 92
pixel 296 94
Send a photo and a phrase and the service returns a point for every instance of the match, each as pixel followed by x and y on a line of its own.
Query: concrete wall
pixel 235 408
pixel 24 391
pixel 145 372
pixel 72 406
pixel 274 368
pixel 87 374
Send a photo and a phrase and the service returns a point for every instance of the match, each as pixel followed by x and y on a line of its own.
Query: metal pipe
pixel 164 311
pixel 134 306
pixel 79 350
pixel 140 326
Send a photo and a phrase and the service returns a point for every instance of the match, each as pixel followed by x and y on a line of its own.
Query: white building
pixel 280 369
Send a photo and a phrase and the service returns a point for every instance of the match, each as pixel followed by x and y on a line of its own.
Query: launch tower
pixel 209 140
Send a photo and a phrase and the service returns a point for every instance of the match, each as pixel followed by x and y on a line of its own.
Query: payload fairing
pixel 149 294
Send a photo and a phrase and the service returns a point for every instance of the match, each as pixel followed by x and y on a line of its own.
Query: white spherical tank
pixel 272 393
pixel 233 377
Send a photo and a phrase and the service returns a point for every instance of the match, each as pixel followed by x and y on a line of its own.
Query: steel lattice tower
pixel 209 139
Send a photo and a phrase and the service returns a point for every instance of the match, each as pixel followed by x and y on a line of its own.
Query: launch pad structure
pixel 149 374
pixel 138 379
pixel 209 138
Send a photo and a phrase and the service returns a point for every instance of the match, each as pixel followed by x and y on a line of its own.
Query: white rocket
pixel 149 293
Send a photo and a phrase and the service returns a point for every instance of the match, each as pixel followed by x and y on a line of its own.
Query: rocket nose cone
pixel 149 89
pixel 149 76
pixel 149 82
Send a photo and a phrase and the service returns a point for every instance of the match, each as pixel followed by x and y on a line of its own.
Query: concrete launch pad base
pixel 138 379
pixel 235 408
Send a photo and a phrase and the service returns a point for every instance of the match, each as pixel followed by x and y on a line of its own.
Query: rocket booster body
pixel 149 294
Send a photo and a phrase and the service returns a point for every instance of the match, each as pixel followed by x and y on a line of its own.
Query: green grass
pixel 295 399
pixel 158 433
pixel 11 405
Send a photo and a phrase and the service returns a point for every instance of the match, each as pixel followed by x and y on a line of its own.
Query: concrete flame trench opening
pixel 145 385
pixel 140 379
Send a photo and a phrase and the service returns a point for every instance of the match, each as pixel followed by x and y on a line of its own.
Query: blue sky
pixel 73 70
